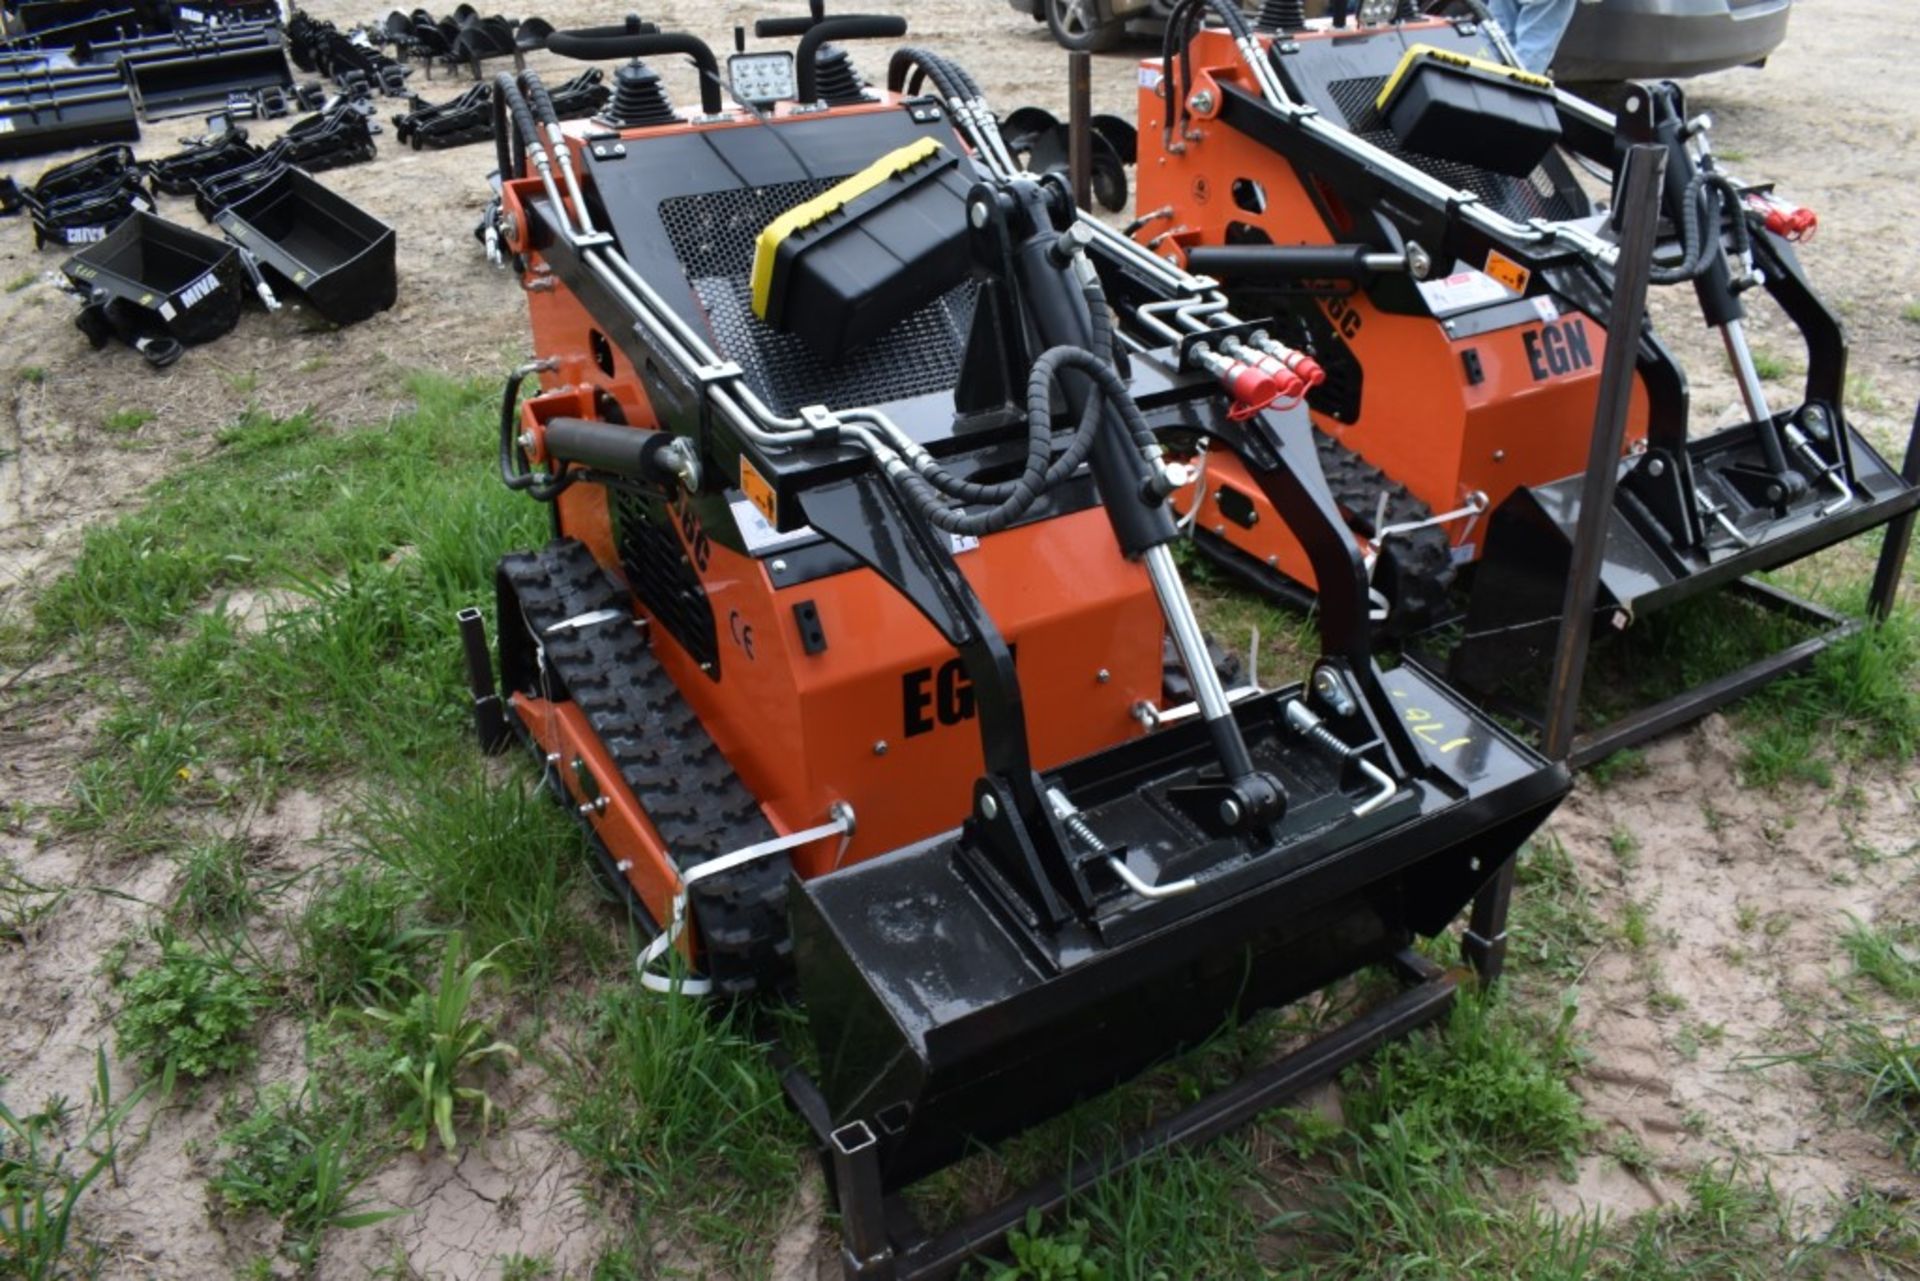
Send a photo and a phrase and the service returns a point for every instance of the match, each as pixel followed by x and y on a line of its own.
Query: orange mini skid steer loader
pixel 1403 200
pixel 848 649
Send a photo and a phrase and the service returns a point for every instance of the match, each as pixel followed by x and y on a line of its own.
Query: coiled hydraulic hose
pixel 1706 195
pixel 1039 475
pixel 934 490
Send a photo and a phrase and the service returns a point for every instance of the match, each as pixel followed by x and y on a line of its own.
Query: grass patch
pixel 1554 931
pixel 1911 313
pixel 1889 956
pixel 1770 367
pixel 677 1110
pixel 1858 700
pixel 44 1174
pixel 127 421
pixel 216 885
pixel 358 941
pixel 22 281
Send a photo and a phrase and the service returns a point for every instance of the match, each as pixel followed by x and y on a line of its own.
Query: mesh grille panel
pixel 658 572
pixel 1517 198
pixel 713 235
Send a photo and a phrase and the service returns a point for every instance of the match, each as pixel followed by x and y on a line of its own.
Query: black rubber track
pixel 1415 569
pixel 696 802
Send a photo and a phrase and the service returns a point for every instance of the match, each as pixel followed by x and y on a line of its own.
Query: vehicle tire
pixel 1083 25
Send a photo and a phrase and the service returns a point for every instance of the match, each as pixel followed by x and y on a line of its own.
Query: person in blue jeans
pixel 1534 27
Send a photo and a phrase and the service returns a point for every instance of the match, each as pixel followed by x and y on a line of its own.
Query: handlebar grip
pixel 860 26
pixel 610 447
pixel 593 44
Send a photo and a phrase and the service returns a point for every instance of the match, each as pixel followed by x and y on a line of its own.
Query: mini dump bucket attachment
pixel 335 255
pixel 947 1016
pixel 154 277
pixel 200 72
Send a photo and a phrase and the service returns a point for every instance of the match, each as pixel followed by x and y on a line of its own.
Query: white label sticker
pixel 1150 79
pixel 963 542
pixel 1545 305
pixel 166 310
pixel 759 534
pixel 1461 290
pixel 6 124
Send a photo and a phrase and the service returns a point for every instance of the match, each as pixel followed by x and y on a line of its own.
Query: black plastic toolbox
pixel 1453 107
pixel 844 268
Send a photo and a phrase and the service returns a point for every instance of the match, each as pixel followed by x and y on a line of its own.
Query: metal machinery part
pixel 769 661
pixel 1460 312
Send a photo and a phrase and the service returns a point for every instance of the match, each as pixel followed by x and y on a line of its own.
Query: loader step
pixel 666 758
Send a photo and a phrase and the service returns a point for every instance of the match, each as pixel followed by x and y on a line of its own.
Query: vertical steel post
pixel 1080 127
pixel 1485 945
pixel 1893 551
pixel 867 1252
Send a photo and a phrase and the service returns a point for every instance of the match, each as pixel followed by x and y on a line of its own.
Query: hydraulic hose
pixel 1183 23
pixel 1039 476
pixel 1699 216
pixel 516 470
pixel 507 93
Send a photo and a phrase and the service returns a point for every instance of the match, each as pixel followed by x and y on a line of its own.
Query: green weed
pixel 23 904
pixel 1633 926
pixel 527 1267
pixel 1911 313
pixel 216 887
pixel 288 1160
pixel 1627 763
pixel 436 1047
pixel 21 281
pixel 1771 367
pixel 189 1013
pixel 33 375
pixel 1494 1081
pixel 43 1177
pixel 1039 1256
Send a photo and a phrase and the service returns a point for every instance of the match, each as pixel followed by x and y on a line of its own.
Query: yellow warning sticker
pixel 759 492
pixel 1507 271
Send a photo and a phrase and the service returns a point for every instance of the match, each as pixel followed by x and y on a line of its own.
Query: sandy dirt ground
pixel 1674 1029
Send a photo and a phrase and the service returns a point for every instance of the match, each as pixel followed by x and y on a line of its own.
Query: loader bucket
pixel 184 284
pixel 944 1019
pixel 309 239
pixel 196 75
pixel 1651 561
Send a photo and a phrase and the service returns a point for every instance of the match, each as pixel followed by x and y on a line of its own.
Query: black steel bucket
pixel 944 1019
pixel 155 277
pixel 338 257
